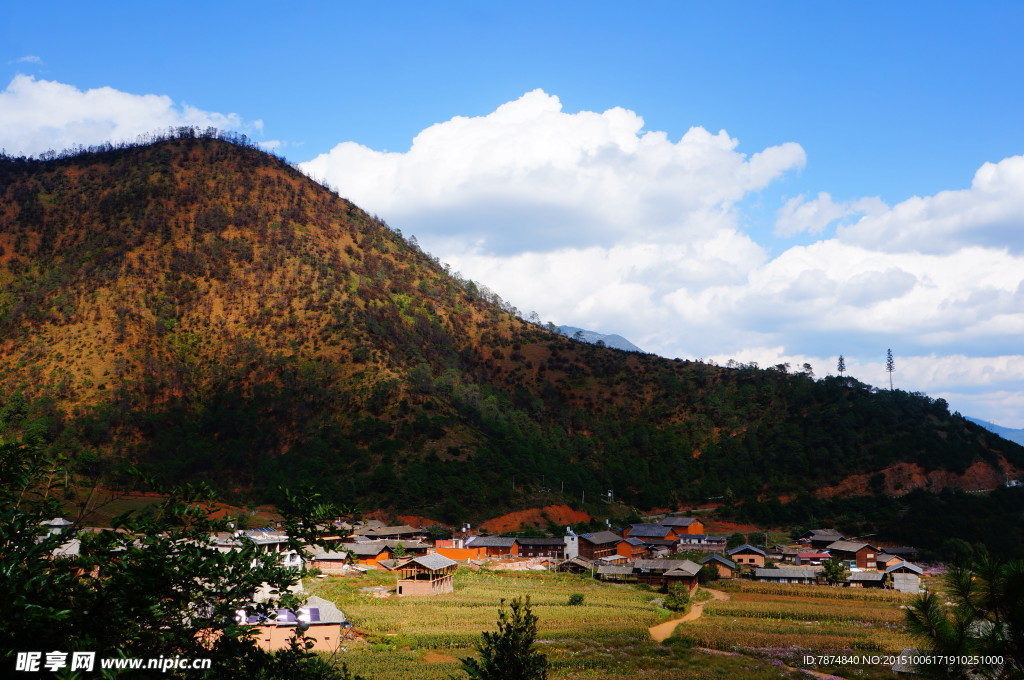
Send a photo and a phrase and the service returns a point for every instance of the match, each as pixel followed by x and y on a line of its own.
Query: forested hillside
pixel 201 308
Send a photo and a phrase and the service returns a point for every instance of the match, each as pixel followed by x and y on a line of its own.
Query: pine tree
pixel 841 366
pixel 508 654
pixel 890 366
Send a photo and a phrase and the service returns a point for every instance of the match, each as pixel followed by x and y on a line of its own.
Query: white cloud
pixel 989 213
pixel 529 176
pixel 39 115
pixel 798 215
pixel 28 59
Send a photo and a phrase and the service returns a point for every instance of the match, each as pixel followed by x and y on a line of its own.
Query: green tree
pixel 841 366
pixel 735 540
pixel 758 538
pixel 508 654
pixel 986 619
pixel 153 585
pixel 678 598
pixel 835 570
pixel 890 365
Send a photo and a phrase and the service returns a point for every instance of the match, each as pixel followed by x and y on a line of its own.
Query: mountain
pixel 593 337
pixel 1009 433
pixel 201 310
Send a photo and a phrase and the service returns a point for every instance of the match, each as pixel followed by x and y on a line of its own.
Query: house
pixel 370 553
pixel 726 568
pixel 496 546
pixel 427 575
pixel 662 573
pixel 747 555
pixel 616 574
pixel 646 531
pixel 861 555
pixel 632 548
pixel 867 579
pixel 820 538
pixel 683 525
pixel 275 544
pixel 810 558
pixel 805 576
pixel 400 532
pixel 785 553
pixel 702 543
pixel 328 561
pixel 884 560
pixel 906 552
pixel 576 565
pixel 57 525
pixel 541 547
pixel 906 577
pixel 598 545
pixel 324 622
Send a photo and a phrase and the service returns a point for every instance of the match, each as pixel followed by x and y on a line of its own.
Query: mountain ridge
pixel 203 310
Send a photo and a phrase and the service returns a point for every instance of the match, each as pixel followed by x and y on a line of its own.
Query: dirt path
pixel 663 630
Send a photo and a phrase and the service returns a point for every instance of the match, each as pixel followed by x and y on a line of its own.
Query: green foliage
pixel 735 540
pixel 986 619
pixel 758 538
pixel 509 653
pixel 835 570
pixel 678 598
pixel 707 573
pixel 153 585
pixel 576 599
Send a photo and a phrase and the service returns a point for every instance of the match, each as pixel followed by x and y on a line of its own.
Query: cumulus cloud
pixel 530 176
pixel 40 115
pixel 799 215
pixel 989 213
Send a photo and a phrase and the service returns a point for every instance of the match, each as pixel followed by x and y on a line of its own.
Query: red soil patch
pixel 535 517
pixel 418 522
pixel 715 526
pixel 437 657
pixel 904 477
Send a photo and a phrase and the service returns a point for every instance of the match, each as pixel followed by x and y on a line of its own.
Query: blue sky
pixel 537 167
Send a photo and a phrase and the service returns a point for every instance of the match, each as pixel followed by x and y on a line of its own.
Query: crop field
pixel 605 637
pixel 786 622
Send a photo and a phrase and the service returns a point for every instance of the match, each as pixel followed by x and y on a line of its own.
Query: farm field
pixel 606 637
pixel 785 622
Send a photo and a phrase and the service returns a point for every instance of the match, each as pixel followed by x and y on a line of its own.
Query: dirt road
pixel 663 630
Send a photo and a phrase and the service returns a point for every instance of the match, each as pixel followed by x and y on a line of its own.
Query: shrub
pixel 575 599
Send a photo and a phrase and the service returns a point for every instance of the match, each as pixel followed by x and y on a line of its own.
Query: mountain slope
pixel 204 310
pixel 611 340
pixel 1012 434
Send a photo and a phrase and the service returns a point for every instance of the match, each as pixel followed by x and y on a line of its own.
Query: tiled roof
pixel 493 542
pixel 602 537
pixel 678 521
pixel 785 573
pixel 847 546
pixel 715 557
pixel 648 530
pixel 541 541
pixel 746 547
pixel 867 576
pixel 433 561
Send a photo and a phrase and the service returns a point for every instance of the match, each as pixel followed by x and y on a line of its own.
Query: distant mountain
pixel 203 311
pixel 613 340
pixel 1005 432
